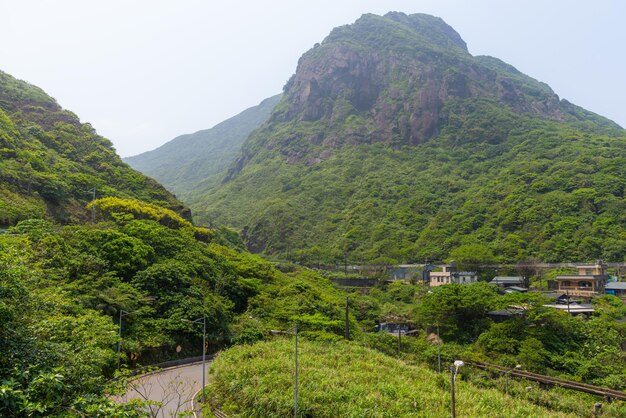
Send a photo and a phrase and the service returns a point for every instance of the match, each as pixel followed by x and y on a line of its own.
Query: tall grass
pixel 346 380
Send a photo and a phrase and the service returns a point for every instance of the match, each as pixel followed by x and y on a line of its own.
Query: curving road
pixel 169 391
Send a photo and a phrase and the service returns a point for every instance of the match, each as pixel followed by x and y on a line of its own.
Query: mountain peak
pixel 399 31
pixel 431 27
pixel 395 79
pixel 392 142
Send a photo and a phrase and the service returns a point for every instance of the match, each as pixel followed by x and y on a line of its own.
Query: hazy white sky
pixel 142 72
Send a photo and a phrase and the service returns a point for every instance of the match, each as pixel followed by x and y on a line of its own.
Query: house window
pixel 588 272
pixel 584 284
pixel 566 283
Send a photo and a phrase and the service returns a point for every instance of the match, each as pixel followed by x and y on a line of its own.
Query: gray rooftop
pixel 506 279
pixel 616 285
pixel 516 289
pixel 574 308
pixel 578 277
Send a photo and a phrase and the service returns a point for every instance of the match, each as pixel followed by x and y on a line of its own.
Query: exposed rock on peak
pixel 389 78
pixel 431 27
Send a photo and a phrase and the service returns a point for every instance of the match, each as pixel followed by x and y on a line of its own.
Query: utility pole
pixel 198 321
pixel 347 318
pixel 203 356
pixel 399 344
pixel 438 350
pixel 123 313
pixel 295 407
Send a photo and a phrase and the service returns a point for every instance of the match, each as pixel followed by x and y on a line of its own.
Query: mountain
pixel 191 161
pixel 392 143
pixel 51 162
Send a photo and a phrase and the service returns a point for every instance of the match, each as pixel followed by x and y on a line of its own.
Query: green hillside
pixel 390 143
pixel 393 144
pixel 338 379
pixel 194 161
pixel 62 290
pixel 51 162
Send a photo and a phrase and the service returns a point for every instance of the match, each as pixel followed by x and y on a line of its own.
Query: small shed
pixel 616 289
pixel 394 328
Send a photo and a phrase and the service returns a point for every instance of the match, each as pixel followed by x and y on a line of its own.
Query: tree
pixel 459 310
pixel 471 256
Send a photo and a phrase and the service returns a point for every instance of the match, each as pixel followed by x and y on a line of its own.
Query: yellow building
pixel 589 281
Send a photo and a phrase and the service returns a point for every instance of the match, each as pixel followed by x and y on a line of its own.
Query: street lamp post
pixel 506 381
pixel 123 313
pixel 454 369
pixel 203 322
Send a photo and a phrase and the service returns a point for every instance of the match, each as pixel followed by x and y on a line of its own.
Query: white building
pixel 448 275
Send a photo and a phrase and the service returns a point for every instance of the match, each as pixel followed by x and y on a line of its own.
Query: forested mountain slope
pixel 392 143
pixel 51 162
pixel 191 162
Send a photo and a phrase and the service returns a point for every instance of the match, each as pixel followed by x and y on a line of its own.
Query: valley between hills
pixel 401 214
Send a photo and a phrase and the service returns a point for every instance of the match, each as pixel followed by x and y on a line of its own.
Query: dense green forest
pixel 51 164
pixel 546 192
pixel 63 289
pixel 346 168
pixel 501 172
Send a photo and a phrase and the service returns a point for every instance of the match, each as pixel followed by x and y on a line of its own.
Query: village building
pixel 616 289
pixel 449 275
pixel 589 282
pixel 508 281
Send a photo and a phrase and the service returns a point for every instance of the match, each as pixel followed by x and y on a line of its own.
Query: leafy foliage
pixel 50 162
pixel 347 169
pixel 62 290
pixel 110 207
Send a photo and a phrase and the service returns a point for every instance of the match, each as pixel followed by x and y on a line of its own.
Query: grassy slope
pixel 345 380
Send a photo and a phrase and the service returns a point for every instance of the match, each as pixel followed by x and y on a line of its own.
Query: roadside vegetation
pixel 344 379
pixel 64 287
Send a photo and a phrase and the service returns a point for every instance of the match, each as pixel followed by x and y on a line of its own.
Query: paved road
pixel 171 390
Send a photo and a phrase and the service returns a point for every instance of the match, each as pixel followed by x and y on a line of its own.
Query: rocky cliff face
pixel 390 79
